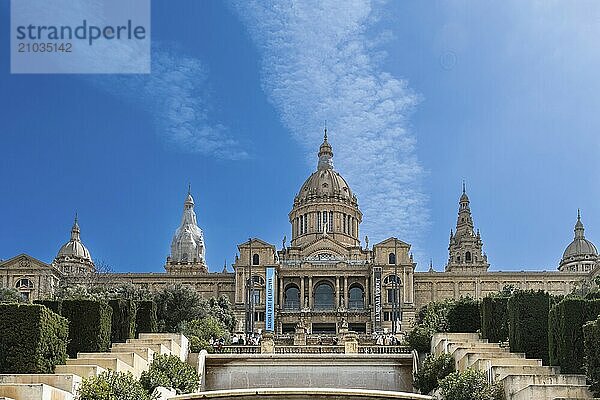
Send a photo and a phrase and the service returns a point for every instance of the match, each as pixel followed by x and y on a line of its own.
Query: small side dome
pixel 73 257
pixel 580 246
pixel 74 248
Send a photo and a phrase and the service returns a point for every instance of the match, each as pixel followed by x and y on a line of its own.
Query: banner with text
pixel 270 297
pixel 377 297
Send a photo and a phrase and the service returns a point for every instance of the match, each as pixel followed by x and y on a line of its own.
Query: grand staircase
pixel 133 356
pixel 522 378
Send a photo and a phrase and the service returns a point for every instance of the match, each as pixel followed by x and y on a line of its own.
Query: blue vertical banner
pixel 270 303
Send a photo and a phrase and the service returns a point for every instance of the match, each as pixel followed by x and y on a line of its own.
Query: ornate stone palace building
pixel 325 277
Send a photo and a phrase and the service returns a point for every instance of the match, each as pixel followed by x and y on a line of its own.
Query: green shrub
pixel 89 325
pixel 200 331
pixel 494 318
pixel 145 317
pixel 433 370
pixel 33 339
pixel 591 335
pixel 565 336
pixel 170 372
pixel 528 323
pixel 9 295
pixel 463 316
pixel 221 309
pixel 176 304
pixel 470 384
pixel 54 305
pixel 419 338
pixel 111 385
pixel 123 320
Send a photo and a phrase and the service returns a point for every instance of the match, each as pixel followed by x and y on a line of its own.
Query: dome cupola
pixel 581 254
pixel 325 203
pixel 73 256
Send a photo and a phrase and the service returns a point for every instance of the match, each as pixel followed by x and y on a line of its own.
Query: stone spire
pixel 187 246
pixel 579 229
pixel 465 252
pixel 325 154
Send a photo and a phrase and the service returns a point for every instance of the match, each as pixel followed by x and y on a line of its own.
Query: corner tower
pixel 325 205
pixel 187 247
pixel 465 252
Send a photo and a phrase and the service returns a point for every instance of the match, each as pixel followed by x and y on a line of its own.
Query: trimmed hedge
pixel 463 316
pixel 145 319
pixel 528 323
pixel 33 339
pixel 89 325
pixel 123 320
pixel 494 318
pixel 591 335
pixel 54 305
pixel 565 335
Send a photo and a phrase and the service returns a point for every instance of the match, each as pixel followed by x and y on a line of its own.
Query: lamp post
pixel 395 286
pixel 250 259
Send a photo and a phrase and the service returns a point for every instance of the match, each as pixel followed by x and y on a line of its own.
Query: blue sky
pixel 417 96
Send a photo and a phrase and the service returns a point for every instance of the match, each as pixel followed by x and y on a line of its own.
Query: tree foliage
pixel 9 295
pixel 433 370
pixel 494 318
pixel 200 331
pixel 470 384
pixel 179 303
pixel 112 385
pixel 528 323
pixel 565 336
pixel 591 334
pixel 170 372
pixel 464 316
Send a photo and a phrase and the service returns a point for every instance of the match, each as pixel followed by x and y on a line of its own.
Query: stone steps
pixel 522 378
pixel 67 382
pixel 137 363
pixel 513 383
pixel 133 356
pixel 33 391
pixel 552 392
pixel 84 371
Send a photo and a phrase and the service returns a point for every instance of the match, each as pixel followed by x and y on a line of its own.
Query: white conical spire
pixel 188 241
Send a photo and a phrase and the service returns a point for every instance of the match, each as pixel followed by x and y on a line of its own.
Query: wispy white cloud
pixel 320 63
pixel 176 94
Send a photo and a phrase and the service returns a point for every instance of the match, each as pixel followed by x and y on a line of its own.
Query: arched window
pixel 324 296
pixel 24 284
pixel 356 297
pixel 255 259
pixel 292 298
pixel 391 258
pixel 391 279
pixel 468 256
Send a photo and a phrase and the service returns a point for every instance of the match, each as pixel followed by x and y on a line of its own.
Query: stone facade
pixel 326 279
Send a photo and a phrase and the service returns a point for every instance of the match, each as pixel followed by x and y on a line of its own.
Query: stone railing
pixel 384 349
pixel 238 350
pixel 309 349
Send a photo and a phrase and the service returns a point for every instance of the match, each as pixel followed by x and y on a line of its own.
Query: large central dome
pixel 325 182
pixel 325 205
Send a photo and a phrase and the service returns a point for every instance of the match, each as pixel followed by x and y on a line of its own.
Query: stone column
pixel 302 292
pixel 310 292
pixel 281 291
pixel 345 292
pixel 367 292
pixel 337 292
